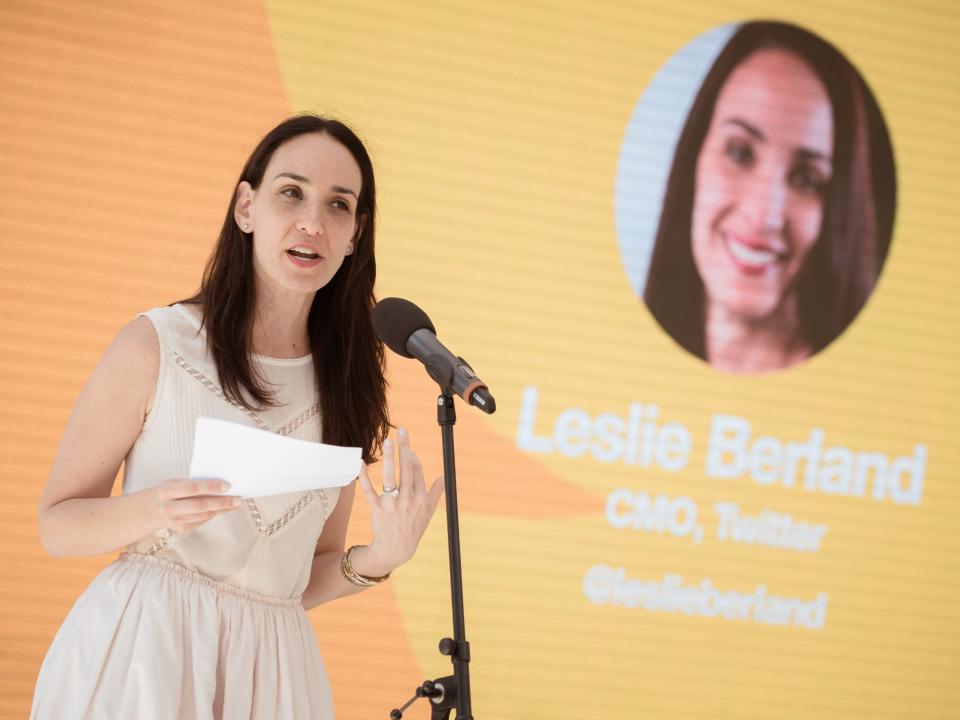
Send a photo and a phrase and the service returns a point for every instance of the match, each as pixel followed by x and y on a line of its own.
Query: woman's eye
pixel 739 152
pixel 341 205
pixel 807 180
pixel 292 192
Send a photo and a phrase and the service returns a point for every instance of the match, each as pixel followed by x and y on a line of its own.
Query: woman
pixel 204 614
pixel 779 207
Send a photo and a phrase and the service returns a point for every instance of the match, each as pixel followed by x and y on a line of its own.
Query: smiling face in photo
pixel 760 184
pixel 304 214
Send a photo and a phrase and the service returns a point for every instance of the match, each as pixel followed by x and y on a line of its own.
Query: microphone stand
pixel 452 691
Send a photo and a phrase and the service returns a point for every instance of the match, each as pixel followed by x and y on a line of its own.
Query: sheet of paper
pixel 258 463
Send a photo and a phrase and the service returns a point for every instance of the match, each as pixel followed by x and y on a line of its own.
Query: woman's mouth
pixel 751 258
pixel 304 257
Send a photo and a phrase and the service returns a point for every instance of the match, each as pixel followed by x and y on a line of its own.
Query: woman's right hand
pixel 182 505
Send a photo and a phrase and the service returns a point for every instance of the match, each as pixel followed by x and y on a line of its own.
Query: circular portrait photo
pixel 755 196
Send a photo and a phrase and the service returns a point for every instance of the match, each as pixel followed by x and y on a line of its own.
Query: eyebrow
pixel 758 134
pixel 744 125
pixel 301 178
pixel 337 188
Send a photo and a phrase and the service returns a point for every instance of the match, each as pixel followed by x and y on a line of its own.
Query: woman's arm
pixel 77 515
pixel 326 581
pixel 398 524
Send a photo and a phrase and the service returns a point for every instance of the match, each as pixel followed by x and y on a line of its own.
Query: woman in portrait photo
pixel 779 205
pixel 203 615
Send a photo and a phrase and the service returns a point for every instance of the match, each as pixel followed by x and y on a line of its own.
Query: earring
pixel 245 227
pixel 349 249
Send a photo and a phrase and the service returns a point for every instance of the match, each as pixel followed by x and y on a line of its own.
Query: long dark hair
pixel 845 262
pixel 347 355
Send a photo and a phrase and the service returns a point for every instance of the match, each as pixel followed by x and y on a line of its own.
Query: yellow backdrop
pixel 496 129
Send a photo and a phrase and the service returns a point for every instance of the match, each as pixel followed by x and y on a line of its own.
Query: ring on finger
pixel 392 491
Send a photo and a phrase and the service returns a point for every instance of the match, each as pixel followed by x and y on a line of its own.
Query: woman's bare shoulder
pixel 138 341
pixel 130 366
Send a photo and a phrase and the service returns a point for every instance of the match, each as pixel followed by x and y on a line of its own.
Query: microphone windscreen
pixel 395 320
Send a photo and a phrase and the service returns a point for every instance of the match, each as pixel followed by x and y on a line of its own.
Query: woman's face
pixel 303 215
pixel 761 180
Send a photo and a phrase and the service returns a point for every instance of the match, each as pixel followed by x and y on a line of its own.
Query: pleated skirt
pixel 151 639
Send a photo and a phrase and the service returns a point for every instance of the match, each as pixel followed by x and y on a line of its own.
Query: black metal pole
pixel 460 650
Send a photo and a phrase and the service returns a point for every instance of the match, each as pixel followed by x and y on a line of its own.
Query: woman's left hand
pixel 399 518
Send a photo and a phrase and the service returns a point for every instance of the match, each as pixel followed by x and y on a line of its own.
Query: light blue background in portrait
pixel 648 146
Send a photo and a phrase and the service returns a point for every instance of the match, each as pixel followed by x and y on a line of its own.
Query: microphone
pixel 406 329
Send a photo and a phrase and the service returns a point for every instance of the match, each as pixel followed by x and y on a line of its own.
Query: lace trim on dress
pixel 287 428
pixel 217 585
pixel 267 529
pixel 292 425
pixel 215 388
pixel 153 544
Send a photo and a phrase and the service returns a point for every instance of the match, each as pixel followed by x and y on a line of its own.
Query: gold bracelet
pixel 352 576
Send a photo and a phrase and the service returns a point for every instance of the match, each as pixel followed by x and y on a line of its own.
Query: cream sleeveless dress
pixel 208 623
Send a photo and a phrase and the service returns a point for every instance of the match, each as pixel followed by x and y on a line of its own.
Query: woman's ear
pixel 361 223
pixel 242 209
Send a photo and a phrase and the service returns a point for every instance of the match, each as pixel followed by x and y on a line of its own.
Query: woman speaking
pixel 203 615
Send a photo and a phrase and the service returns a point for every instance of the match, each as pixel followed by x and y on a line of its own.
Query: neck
pixel 280 324
pixel 754 345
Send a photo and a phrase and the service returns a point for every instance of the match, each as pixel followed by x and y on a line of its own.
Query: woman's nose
pixel 310 221
pixel 765 201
